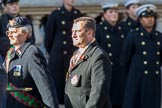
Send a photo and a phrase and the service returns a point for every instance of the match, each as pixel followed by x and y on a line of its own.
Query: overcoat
pixel 28 69
pixel 141 58
pixel 111 39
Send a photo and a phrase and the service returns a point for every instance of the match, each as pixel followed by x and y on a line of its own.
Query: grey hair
pixel 27 28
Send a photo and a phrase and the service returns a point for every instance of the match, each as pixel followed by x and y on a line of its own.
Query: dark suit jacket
pixel 87 85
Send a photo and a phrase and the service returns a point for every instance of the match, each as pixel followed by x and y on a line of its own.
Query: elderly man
pixel 142 58
pixel 27 70
pixel 11 10
pixel 88 78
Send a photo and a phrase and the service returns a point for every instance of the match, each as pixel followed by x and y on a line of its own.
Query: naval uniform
pixel 141 58
pixel 111 39
pixel 59 45
pixel 128 25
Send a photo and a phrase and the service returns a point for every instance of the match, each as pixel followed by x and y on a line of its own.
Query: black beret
pixel 18 22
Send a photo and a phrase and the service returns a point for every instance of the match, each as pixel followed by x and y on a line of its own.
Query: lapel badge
pixel 17 70
pixel 75 12
pixel 83 57
pixel 75 80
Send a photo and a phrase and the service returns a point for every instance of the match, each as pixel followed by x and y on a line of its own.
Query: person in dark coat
pixel 58 43
pixel 110 37
pixel 130 22
pixel 88 77
pixel 3 84
pixel 10 10
pixel 29 81
pixel 142 58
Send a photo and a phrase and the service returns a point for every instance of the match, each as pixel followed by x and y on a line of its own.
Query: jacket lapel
pixel 85 56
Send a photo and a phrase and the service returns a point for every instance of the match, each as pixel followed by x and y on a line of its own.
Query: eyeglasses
pixel 11 32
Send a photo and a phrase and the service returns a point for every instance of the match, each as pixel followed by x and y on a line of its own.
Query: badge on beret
pixel 17 70
pixel 75 80
pixel 12 22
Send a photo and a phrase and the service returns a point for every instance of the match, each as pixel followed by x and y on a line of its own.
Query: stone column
pixel 36 23
pixel 159 22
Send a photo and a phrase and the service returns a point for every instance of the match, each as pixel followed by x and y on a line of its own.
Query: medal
pixel 17 70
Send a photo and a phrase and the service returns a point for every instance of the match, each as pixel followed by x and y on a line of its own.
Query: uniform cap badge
pixel 12 22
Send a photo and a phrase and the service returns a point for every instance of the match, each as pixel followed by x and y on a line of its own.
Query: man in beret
pixel 130 22
pixel 29 82
pixel 11 10
pixel 142 58
pixel 110 37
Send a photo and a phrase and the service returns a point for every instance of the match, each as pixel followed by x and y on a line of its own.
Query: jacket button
pixel 64 42
pixel 65 52
pixel 145 62
pixel 158 43
pixel 158 53
pixel 146 72
pixel 129 23
pixel 110 54
pixel 157 72
pixel 157 62
pixel 144 52
pixel 107 36
pixel 111 63
pixel 143 43
pixel 109 45
pixel 63 32
pixel 63 22
pixel 75 12
pixel 105 28
pixel 122 36
pixel 141 34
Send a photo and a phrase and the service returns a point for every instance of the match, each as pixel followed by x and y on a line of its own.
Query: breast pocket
pixel 16 74
pixel 76 80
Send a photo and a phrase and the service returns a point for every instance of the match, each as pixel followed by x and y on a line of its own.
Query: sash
pixel 25 98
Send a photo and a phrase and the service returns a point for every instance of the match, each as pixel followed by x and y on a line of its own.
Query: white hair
pixel 27 28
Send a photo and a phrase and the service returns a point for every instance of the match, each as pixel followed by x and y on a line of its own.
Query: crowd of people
pixel 109 63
